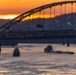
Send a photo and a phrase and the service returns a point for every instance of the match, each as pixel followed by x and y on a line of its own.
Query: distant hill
pixel 62 22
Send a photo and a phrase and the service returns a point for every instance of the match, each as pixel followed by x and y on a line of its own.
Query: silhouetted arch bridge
pixel 61 26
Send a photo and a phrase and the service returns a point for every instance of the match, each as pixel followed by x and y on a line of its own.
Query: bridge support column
pixel 43 19
pixel 65 18
pixel 29 24
pixel 61 17
pixel 54 18
pixel 72 16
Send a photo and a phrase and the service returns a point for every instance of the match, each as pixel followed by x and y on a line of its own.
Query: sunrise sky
pixel 12 8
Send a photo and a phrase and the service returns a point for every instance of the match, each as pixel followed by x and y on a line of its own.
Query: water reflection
pixel 34 61
pixel 4 70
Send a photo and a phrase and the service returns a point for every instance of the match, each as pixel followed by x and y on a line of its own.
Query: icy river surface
pixel 33 60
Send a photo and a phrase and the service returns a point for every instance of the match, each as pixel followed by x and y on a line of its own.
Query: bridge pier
pixel 68 42
pixel 16 52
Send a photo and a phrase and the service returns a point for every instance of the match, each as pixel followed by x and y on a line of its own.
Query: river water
pixel 33 60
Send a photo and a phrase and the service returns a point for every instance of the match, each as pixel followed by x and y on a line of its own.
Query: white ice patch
pixel 69 23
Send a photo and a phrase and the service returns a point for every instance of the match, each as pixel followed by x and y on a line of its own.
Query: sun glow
pixel 8 16
pixel 11 16
pixel 40 16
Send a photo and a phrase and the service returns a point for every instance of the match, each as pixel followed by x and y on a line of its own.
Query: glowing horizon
pixel 8 16
pixel 12 16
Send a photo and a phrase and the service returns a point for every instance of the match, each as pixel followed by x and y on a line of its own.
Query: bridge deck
pixel 39 34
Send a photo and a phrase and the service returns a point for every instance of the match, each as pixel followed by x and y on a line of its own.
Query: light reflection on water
pixel 3 70
pixel 34 61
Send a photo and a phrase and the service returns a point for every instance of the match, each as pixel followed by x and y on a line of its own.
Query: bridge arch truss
pixel 30 12
pixel 52 33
